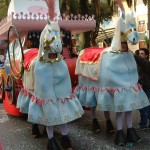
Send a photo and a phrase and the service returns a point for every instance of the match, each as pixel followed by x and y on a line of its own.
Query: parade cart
pixel 21 28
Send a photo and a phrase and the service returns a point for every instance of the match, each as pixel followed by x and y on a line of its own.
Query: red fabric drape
pixel 91 55
pixel 29 56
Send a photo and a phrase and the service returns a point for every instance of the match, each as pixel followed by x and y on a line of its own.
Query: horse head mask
pixel 50 41
pixel 128 29
pixel 125 31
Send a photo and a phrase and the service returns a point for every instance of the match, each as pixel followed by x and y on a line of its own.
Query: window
pixel 141 26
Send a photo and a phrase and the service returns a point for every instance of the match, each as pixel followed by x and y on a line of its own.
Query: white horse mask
pixel 128 28
pixel 125 31
pixel 50 41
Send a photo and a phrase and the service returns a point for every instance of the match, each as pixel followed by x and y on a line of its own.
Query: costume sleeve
pixel 143 64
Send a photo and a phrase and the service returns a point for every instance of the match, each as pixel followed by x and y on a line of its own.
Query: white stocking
pixel 50 132
pixel 64 129
pixel 128 117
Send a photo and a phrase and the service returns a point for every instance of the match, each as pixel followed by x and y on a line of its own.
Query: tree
pixel 3 8
pixel 102 9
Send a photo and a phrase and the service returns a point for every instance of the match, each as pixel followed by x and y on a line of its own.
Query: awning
pixel 101 36
pixel 73 24
pixel 32 15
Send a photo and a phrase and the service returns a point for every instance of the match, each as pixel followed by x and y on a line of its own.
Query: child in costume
pixel 51 102
pixel 115 71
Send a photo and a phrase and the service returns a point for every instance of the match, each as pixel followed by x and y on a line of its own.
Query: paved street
pixel 15 134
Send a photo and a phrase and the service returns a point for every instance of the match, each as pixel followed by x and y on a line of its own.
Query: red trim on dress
pixel 45 102
pixel 109 90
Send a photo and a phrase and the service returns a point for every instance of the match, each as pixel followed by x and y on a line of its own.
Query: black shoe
pixel 120 138
pixel 109 126
pixel 65 142
pixel 52 144
pixel 132 136
pixel 35 131
pixel 96 126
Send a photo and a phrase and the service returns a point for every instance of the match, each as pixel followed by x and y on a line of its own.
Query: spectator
pixel 143 65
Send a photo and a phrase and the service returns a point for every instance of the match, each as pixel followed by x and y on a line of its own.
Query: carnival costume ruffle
pixel 23 101
pixel 48 82
pixel 50 110
pixel 117 88
pixel 27 90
